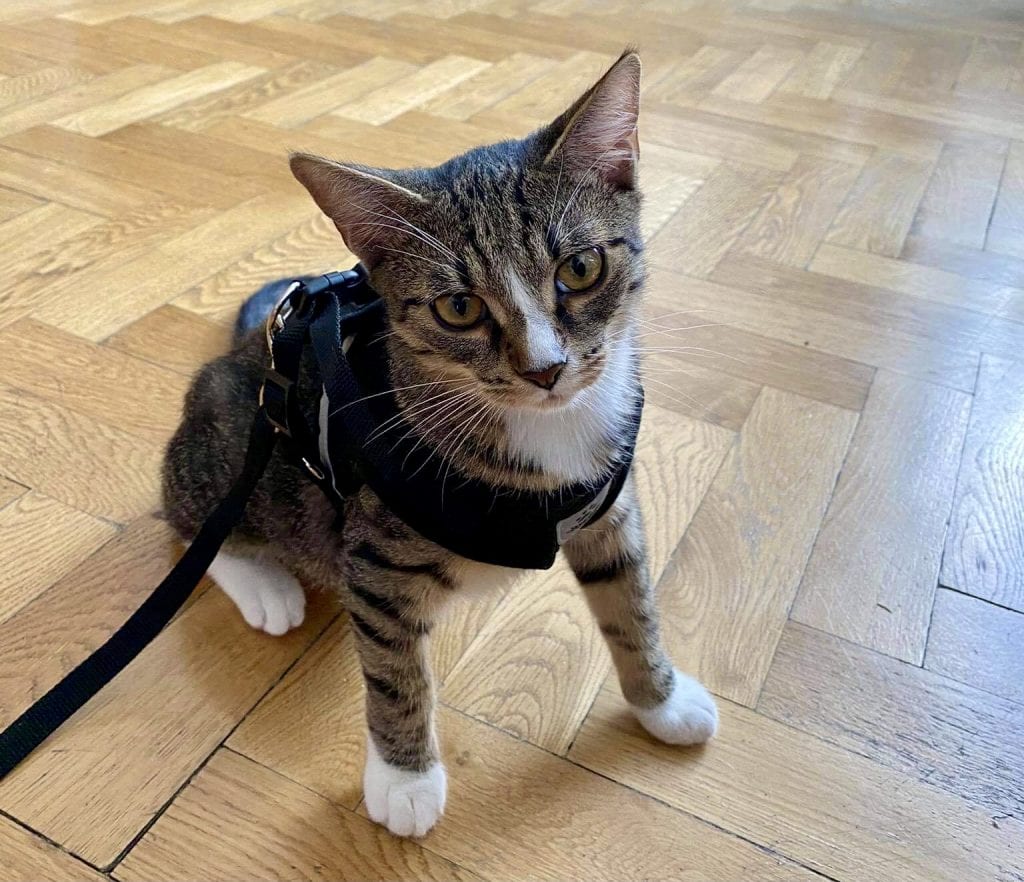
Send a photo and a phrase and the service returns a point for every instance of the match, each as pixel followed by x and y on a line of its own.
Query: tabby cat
pixel 512 278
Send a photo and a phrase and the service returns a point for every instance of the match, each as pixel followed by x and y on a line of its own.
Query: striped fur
pixel 493 223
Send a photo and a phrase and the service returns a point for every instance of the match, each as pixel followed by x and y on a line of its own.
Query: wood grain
pixel 62 535
pixel 174 705
pixel 792 222
pixel 882 204
pixel 738 565
pixel 984 553
pixel 499 679
pixel 871 578
pixel 86 464
pixel 958 203
pixel 834 219
pixel 68 371
pixel 704 229
pixel 977 643
pixel 29 858
pixel 838 813
pixel 281 830
pixel 935 729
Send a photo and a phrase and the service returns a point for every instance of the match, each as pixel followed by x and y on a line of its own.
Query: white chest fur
pixel 564 443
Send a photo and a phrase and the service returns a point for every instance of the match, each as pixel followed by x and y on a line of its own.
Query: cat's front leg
pixel 610 562
pixel 391 603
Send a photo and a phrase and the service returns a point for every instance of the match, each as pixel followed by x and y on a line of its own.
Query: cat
pixel 512 277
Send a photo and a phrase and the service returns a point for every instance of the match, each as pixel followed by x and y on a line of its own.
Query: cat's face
pixel 509 272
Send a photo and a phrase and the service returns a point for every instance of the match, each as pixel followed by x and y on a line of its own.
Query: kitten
pixel 512 277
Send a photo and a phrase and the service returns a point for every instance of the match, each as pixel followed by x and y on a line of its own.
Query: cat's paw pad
pixel 687 716
pixel 269 598
pixel 407 803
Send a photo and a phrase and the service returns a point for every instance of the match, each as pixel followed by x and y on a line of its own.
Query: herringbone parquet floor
pixel 833 470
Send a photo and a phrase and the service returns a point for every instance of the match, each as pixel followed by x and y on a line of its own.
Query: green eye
pixel 580 272
pixel 459 311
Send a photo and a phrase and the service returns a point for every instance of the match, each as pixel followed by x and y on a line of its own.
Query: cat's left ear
pixel 597 135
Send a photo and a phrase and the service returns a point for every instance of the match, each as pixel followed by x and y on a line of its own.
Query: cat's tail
pixel 257 308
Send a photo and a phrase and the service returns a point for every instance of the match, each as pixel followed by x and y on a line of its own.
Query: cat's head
pixel 514 267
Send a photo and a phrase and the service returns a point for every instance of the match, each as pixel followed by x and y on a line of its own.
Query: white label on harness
pixel 574 523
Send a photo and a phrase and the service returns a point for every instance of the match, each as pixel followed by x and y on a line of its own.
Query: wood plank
pixel 1009 210
pixel 136 397
pixel 548 95
pixel 173 179
pixel 757 77
pixel 489 86
pixel 311 727
pixel 958 202
pixel 30 858
pixel 546 616
pixel 739 564
pixel 284 830
pixel 325 93
pixel 80 97
pixel 798 214
pixel 179 263
pixel 984 553
pixel 703 230
pixel 148 101
pixel 974 263
pixel 385 103
pixel 44 539
pixel 985 546
pixel 929 727
pixel 872 575
pixel 85 464
pixel 919 281
pixel 157 336
pixel 840 814
pixel 977 643
pixel 825 66
pixel 881 207
pixel 279 830
pixel 726 330
pixel 688 81
pixel 10 491
pixel 132 747
pixel 21 234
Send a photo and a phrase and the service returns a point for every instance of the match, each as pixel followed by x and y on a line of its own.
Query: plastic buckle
pixel 275 398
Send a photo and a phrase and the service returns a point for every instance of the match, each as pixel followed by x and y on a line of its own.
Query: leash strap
pixel 51 711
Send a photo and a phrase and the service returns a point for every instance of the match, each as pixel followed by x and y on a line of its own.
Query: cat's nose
pixel 545 377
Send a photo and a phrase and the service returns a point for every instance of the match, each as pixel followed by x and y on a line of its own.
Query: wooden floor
pixel 832 467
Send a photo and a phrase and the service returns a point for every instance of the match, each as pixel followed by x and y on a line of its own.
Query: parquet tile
pixel 830 464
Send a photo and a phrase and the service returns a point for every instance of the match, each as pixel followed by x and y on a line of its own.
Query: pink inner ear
pixel 601 138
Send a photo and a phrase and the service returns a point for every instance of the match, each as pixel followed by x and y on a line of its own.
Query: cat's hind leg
pixel 268 596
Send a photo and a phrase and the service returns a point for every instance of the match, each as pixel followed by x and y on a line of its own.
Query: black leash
pixel 51 711
pixel 278 416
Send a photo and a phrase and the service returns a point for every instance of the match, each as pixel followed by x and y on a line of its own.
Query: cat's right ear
pixel 366 205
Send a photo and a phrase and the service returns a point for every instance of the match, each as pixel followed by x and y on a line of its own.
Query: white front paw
pixel 407 803
pixel 687 716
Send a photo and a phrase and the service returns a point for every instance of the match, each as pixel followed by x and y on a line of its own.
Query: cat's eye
pixel 459 311
pixel 580 272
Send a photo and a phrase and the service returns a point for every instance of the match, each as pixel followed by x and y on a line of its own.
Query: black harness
pixel 339 315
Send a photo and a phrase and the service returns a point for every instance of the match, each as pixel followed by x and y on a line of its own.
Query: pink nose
pixel 546 377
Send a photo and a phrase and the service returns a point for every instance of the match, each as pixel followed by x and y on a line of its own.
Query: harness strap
pixel 66 697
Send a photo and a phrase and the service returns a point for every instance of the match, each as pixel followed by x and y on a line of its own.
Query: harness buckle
pixel 275 399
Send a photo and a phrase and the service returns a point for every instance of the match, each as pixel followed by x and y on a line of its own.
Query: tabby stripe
pixel 366 552
pixel 634 247
pixel 371 633
pixel 618 636
pixel 383 687
pixel 604 572
pixel 384 605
